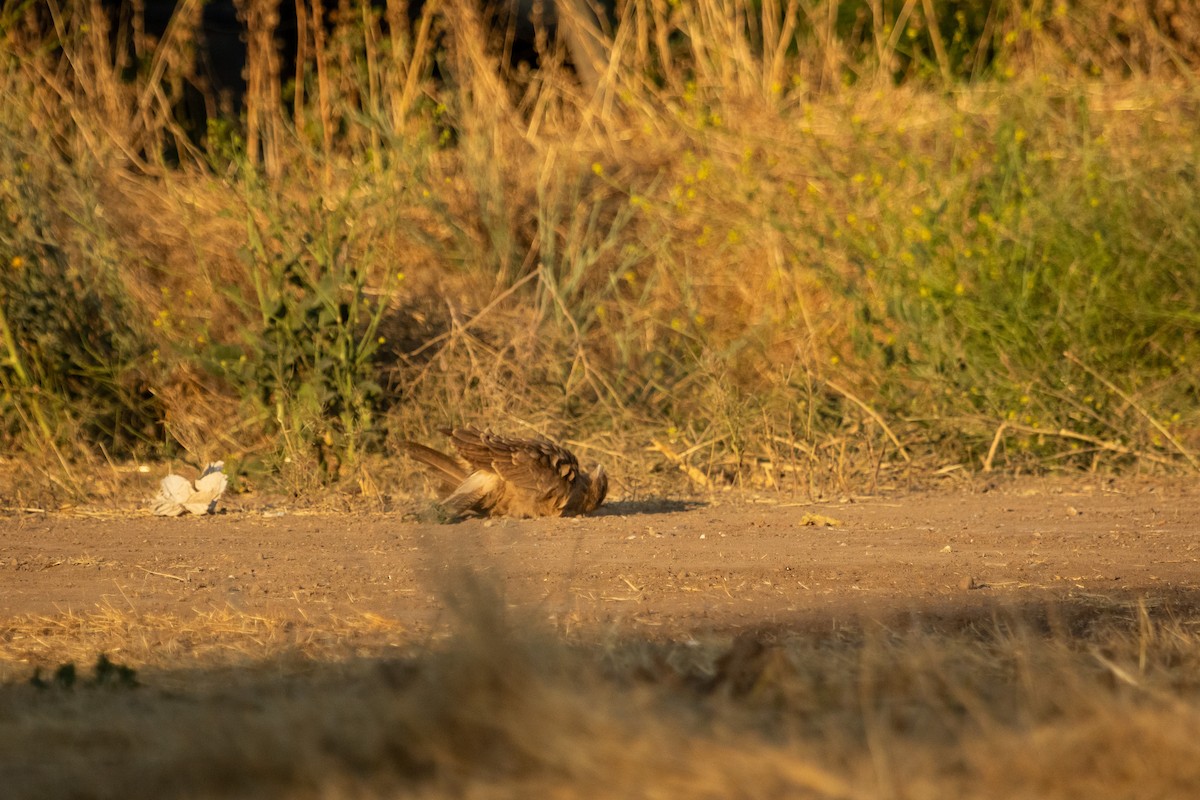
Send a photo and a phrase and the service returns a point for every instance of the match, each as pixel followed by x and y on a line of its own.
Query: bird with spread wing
pixel 500 476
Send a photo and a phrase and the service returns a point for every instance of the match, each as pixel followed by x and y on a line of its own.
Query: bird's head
pixel 597 488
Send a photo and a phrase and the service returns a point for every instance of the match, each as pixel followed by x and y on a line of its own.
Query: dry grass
pixel 202 640
pixel 1089 701
pixel 828 241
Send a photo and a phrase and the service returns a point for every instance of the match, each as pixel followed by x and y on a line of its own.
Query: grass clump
pixel 819 246
pixel 307 358
pixel 1029 284
pixel 77 361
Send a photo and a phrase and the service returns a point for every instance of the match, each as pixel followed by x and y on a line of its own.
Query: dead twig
pixel 873 414
pixel 1158 426
pixel 696 476
pixel 991 455
pixel 162 574
pixel 1063 433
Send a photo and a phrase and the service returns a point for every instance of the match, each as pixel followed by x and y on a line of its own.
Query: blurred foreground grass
pixel 776 245
pixel 1093 700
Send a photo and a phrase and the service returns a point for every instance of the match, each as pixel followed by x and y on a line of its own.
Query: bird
pixel 504 476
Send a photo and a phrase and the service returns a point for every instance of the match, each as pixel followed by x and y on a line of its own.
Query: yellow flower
pixel 17 262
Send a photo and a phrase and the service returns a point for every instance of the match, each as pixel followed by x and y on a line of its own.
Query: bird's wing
pixel 537 466
pixel 173 492
pixel 209 487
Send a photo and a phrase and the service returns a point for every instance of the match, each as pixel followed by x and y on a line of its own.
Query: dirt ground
pixel 698 649
pixel 665 568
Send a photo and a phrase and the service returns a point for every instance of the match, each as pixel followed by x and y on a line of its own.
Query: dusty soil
pixel 657 568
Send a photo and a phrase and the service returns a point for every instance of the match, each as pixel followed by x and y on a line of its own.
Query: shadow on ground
pixel 629 508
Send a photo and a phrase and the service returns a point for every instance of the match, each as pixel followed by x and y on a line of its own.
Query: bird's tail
pixel 451 470
pixel 466 493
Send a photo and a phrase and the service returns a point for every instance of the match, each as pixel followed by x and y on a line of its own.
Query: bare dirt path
pixel 665 568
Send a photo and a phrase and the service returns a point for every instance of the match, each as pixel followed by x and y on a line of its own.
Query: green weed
pixel 76 364
pixel 308 351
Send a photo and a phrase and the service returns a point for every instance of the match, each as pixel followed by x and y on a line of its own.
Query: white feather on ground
pixel 177 494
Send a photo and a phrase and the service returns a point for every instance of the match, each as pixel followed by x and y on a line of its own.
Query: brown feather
pixel 506 476
pixel 451 471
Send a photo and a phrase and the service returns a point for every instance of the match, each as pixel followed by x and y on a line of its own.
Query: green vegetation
pixel 829 240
